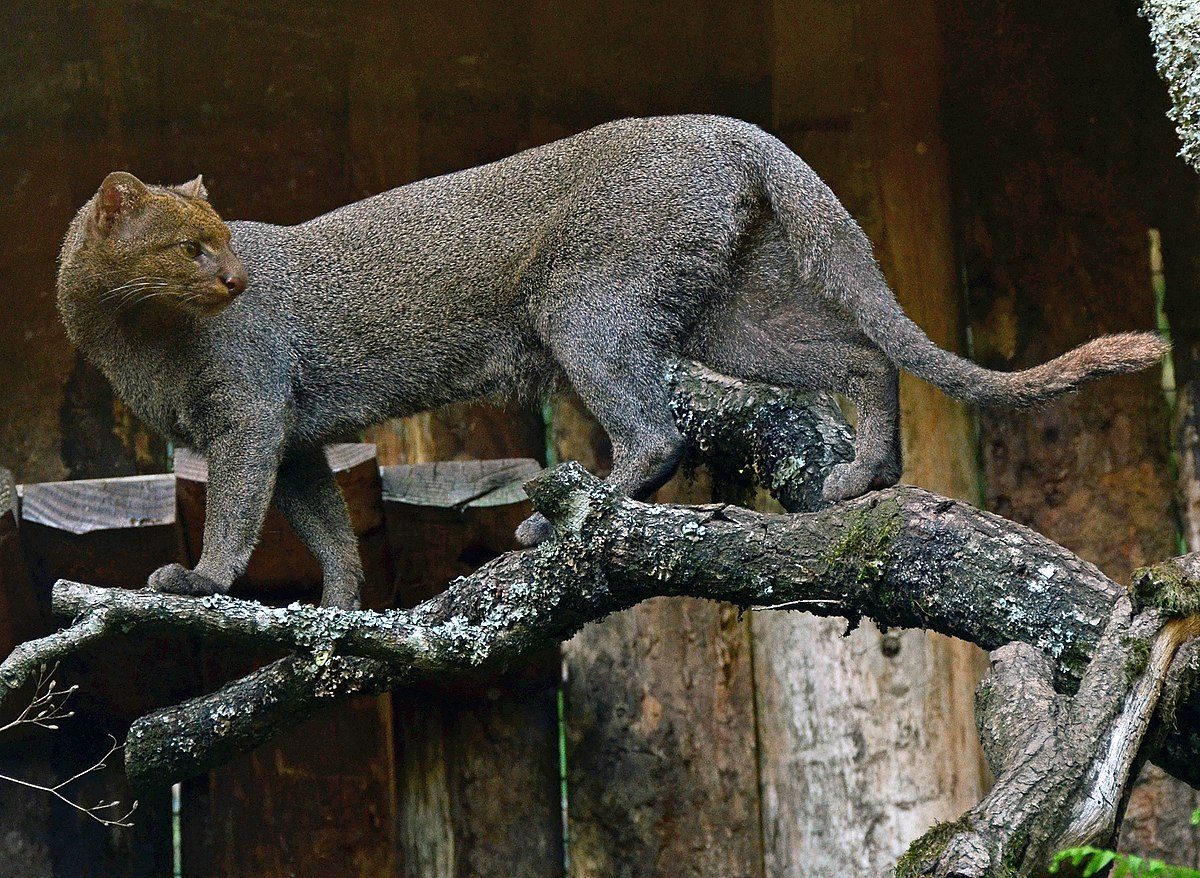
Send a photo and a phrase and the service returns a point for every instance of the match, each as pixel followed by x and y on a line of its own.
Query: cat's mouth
pixel 211 301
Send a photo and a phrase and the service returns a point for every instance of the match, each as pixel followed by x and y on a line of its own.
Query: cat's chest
pixel 151 393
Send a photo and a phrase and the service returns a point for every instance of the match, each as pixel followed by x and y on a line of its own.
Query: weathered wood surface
pixel 1055 251
pixel 1064 765
pixel 659 724
pixel 284 809
pixel 865 740
pixel 477 774
pixel 22 613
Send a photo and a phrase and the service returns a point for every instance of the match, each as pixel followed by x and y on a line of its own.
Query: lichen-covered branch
pixel 753 434
pixel 904 557
pixel 1064 765
pixel 1175 31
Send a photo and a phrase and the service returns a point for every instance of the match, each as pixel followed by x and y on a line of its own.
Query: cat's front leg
pixel 309 498
pixel 242 465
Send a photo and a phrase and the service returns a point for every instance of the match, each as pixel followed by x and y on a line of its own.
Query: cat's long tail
pixel 835 257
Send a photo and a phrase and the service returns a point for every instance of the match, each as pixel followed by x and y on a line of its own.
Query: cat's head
pixel 164 244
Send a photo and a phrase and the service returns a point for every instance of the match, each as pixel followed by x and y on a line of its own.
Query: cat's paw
pixel 177 579
pixel 845 482
pixel 533 530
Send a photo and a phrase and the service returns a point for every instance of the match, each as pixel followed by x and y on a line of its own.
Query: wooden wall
pixel 1010 198
pixel 1055 250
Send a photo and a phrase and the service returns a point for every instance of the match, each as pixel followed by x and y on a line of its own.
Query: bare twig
pixel 45 710
pixel 49 703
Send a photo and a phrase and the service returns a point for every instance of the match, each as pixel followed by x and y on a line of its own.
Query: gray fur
pixel 595 259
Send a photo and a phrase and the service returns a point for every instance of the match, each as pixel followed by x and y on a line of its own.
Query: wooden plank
pixel 22 614
pixel 867 740
pixel 319 800
pixel 477 765
pixel 1054 160
pixel 113 533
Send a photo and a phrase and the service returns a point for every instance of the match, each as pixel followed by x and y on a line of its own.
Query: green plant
pixel 1093 861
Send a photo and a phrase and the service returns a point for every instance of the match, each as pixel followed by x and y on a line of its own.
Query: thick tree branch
pixel 903 557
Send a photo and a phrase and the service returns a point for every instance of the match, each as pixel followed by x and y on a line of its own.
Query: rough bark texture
pixel 1175 30
pixel 1063 765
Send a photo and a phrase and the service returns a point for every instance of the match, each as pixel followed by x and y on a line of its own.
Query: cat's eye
pixel 191 248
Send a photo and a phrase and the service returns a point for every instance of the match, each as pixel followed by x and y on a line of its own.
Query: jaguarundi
pixel 594 260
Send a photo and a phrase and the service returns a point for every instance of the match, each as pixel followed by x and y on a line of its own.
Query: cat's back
pixel 442 224
pixel 454 247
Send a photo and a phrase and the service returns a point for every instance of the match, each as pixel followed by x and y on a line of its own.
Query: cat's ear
pixel 193 188
pixel 120 196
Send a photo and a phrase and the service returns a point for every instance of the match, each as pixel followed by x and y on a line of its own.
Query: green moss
pixel 1074 666
pixel 926 849
pixel 983 697
pixel 862 552
pixel 1167 587
pixel 1137 657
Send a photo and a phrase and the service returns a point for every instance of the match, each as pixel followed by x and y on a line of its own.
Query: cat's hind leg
pixel 778 352
pixel 873 385
pixel 617 370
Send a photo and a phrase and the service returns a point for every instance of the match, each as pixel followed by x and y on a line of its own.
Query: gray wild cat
pixel 595 259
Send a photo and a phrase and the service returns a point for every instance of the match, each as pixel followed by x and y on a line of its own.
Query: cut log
pixel 476 764
pixel 869 738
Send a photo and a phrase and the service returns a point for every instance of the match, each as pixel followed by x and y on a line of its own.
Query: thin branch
pixel 48 704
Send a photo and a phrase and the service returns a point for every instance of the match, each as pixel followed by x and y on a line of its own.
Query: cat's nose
pixel 235 282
